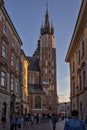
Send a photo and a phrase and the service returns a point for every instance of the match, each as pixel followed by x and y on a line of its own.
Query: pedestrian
pixel 54 121
pixel 14 122
pixel 20 122
pixel 3 120
pixel 32 120
pixel 86 121
pixel 74 123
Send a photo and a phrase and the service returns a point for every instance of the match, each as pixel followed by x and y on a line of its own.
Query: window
pixel 49 49
pixel 49 63
pixel 83 48
pixel 13 43
pixel 83 78
pixel 16 88
pixel 12 84
pixel 79 82
pixel 31 79
pixel 17 65
pixel 49 80
pixel 73 88
pixel 12 60
pixel 73 66
pixel 5 30
pixel 3 79
pixel 78 56
pixel 49 71
pixel 4 50
pixel 37 102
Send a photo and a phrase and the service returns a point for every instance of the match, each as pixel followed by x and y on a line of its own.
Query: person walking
pixel 14 122
pixel 54 121
pixel 74 123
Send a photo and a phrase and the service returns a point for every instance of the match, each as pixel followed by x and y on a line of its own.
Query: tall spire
pixel 46 7
pixel 47 23
pixel 46 28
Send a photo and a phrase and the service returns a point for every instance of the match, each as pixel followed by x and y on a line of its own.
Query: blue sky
pixel 27 17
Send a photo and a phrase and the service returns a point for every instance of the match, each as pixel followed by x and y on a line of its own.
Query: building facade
pixel 24 106
pixel 27 83
pixel 42 70
pixel 77 58
pixel 10 44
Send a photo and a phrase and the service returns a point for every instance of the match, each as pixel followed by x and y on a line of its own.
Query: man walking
pixel 74 123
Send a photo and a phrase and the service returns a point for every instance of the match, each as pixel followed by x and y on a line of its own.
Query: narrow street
pixel 40 126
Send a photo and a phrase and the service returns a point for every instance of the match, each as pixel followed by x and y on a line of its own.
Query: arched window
pixel 37 102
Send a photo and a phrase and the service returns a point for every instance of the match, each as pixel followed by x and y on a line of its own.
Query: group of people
pixel 73 122
pixel 18 121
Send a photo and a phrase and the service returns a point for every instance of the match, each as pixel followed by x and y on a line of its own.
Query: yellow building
pixel 77 58
pixel 24 84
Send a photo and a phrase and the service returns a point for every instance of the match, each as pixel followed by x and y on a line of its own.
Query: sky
pixel 28 16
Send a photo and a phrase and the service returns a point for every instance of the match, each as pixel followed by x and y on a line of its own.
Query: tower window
pixel 49 71
pixel 49 49
pixel 50 80
pixel 49 63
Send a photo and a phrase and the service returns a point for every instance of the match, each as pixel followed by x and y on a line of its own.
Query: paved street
pixel 40 126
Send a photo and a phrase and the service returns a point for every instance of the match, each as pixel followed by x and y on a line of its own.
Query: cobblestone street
pixel 40 126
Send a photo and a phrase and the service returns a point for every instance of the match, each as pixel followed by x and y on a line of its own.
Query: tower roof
pixel 47 28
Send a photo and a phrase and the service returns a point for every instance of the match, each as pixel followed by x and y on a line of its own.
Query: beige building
pixel 24 83
pixel 77 58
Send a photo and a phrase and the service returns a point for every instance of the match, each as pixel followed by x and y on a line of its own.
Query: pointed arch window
pixel 37 102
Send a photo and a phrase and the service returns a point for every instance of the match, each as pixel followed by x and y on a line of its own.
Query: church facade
pixel 42 72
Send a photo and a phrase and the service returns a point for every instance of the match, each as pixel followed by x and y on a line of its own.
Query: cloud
pixel 63 89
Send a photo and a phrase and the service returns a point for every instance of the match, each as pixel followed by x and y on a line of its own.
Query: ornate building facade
pixel 42 71
pixel 77 58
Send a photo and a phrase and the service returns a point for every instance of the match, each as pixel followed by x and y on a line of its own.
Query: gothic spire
pixel 47 23
pixel 46 28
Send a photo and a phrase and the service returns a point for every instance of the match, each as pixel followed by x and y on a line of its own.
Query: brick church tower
pixel 48 63
pixel 45 53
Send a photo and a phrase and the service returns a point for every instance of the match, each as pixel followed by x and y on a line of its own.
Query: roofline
pixel 11 24
pixel 75 32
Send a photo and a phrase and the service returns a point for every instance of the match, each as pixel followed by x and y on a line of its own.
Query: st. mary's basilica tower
pixel 45 54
